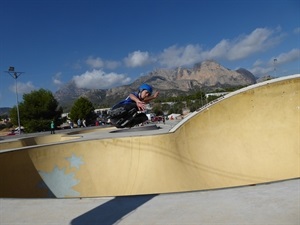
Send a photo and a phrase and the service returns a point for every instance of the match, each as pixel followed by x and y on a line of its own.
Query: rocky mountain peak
pixel 207 76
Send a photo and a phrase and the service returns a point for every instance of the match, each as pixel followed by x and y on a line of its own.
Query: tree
pixel 176 108
pixel 157 109
pixel 37 111
pixel 165 108
pixel 83 109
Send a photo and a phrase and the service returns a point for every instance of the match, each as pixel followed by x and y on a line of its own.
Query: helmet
pixel 145 87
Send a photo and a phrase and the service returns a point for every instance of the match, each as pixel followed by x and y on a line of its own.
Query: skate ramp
pixel 44 139
pixel 248 137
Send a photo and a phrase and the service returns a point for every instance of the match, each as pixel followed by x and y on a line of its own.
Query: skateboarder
pixel 129 112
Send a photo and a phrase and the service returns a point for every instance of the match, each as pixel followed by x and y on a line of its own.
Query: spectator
pixel 52 127
pixel 79 122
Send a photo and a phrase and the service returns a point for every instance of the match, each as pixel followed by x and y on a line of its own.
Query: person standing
pixel 79 123
pixel 52 127
pixel 71 124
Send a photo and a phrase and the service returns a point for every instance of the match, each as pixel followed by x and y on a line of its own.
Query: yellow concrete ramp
pixel 250 136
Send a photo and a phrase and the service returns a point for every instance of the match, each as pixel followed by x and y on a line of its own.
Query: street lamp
pixel 14 74
pixel 275 60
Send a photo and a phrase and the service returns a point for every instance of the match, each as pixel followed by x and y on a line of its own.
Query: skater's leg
pixel 122 110
pixel 138 119
pixel 122 113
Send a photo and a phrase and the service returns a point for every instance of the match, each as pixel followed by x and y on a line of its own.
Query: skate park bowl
pixel 247 137
pixel 46 139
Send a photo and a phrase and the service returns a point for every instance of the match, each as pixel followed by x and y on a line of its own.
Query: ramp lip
pixel 232 94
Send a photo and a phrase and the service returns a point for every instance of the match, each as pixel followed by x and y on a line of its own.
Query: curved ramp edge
pixel 246 138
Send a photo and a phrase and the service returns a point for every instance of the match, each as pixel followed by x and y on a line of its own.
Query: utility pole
pixel 14 74
pixel 275 60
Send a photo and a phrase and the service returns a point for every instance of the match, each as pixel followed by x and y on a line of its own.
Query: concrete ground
pixel 274 203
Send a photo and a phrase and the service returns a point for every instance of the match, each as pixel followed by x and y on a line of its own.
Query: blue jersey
pixel 129 100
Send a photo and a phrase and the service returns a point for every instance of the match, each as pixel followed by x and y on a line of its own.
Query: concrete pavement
pixel 274 203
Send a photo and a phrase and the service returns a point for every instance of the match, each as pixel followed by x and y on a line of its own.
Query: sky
pixel 100 44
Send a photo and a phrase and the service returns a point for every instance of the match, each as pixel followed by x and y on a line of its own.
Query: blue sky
pixel 103 44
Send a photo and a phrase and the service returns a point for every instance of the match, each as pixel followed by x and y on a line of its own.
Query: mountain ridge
pixel 207 76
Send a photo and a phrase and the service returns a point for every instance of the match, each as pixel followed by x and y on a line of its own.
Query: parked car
pixel 156 119
pixel 17 129
pixel 64 126
pixel 12 132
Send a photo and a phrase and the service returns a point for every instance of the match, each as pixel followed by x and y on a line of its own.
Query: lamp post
pixel 275 60
pixel 14 74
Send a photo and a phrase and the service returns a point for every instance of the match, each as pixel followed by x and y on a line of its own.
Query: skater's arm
pixel 141 105
pixel 150 98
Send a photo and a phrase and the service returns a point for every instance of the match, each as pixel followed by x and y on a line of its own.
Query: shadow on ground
pixel 112 211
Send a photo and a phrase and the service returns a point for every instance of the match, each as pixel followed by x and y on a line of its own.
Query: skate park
pixel 245 145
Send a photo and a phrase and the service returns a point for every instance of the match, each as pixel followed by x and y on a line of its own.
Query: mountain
pixel 70 92
pixel 4 111
pixel 206 76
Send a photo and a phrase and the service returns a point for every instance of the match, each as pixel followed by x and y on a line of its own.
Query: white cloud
pixel 219 51
pixel 259 40
pixel 112 64
pixel 175 56
pixel 241 47
pixel 287 57
pixel 97 63
pixel 57 79
pixel 297 30
pixel 262 68
pixel 258 63
pixel 137 59
pixel 98 79
pixel 22 87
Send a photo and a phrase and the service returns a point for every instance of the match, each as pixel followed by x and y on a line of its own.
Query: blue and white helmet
pixel 146 87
